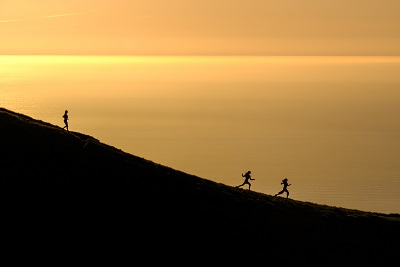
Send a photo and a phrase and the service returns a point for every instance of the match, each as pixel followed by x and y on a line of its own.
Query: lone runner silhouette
pixel 285 185
pixel 65 116
pixel 247 177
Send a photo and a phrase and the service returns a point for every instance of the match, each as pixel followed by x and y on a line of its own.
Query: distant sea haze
pixel 328 124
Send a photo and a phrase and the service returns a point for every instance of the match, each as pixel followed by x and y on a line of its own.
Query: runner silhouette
pixel 247 177
pixel 285 185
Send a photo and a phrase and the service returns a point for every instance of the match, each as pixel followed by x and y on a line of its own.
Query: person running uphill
pixel 285 185
pixel 247 177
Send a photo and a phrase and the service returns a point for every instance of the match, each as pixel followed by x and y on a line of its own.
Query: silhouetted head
pixel 284 179
pixel 248 172
pixel 66 111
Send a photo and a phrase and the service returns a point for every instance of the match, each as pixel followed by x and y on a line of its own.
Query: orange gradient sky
pixel 206 27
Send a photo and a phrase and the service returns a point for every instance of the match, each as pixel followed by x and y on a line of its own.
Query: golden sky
pixel 206 27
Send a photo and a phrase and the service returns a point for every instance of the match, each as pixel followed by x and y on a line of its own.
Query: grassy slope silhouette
pixel 70 187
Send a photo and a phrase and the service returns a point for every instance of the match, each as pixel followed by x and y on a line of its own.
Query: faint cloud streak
pixel 46 17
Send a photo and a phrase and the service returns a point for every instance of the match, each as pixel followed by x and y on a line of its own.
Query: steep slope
pixel 69 187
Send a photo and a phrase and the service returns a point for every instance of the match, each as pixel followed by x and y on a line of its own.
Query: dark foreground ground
pixel 72 199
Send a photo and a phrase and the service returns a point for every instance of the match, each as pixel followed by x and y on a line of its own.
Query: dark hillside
pixel 72 191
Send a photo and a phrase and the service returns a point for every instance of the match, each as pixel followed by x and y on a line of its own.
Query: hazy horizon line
pixel 203 55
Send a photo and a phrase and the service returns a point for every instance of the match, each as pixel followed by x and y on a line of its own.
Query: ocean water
pixel 328 124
